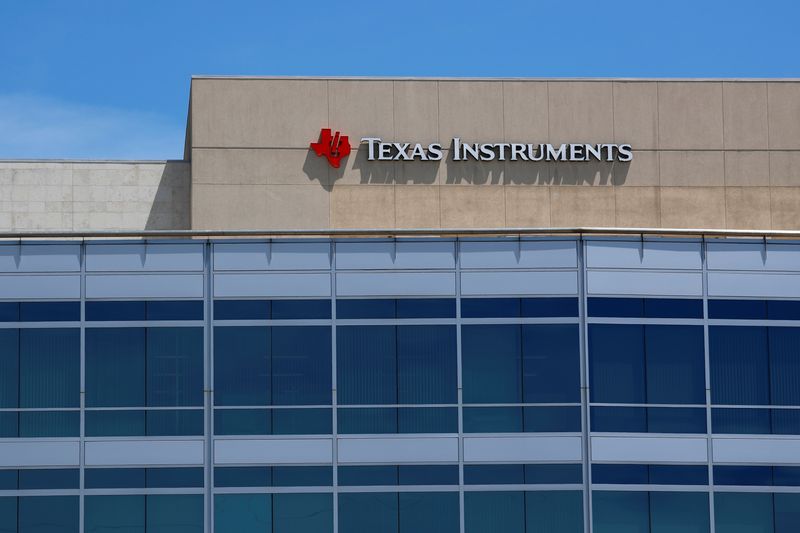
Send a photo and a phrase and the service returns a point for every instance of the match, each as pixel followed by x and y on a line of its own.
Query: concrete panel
pixel 142 452
pixel 272 285
pixel 650 449
pixel 471 110
pixel 416 206
pixel 519 449
pixel 692 169
pixel 637 207
pixel 144 257
pixel 784 115
pixel 753 256
pixel 272 451
pixel 258 167
pixel 144 286
pixel 20 287
pixel 663 254
pixel 764 450
pixel 356 169
pixel 272 256
pixel 643 171
pixel 472 207
pixel 747 208
pixel 636 114
pixel 398 450
pixel 395 284
pixel 433 254
pixel 513 253
pixel 258 113
pixel 784 169
pixel 746 169
pixel 358 206
pixel 527 207
pixel 745 115
pixel 525 111
pixel 754 285
pixel 23 453
pixel 690 115
pixel 693 207
pixel 580 111
pixel 785 204
pixel 582 206
pixel 40 258
pixel 519 283
pixel 416 111
pixel 362 108
pixel 409 173
pixel 628 283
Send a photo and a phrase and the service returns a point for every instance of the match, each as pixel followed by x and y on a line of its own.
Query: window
pixel 43 514
pixel 650 512
pixel 276 513
pixel 523 512
pixel 151 514
pixel 405 512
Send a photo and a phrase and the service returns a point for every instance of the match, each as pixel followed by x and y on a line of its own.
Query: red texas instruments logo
pixel 334 147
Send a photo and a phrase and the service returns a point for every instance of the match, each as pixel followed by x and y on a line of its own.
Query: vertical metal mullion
pixel 82 445
pixel 584 354
pixel 334 399
pixel 460 397
pixel 706 350
pixel 208 386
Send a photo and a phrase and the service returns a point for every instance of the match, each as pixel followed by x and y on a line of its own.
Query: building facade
pixel 411 306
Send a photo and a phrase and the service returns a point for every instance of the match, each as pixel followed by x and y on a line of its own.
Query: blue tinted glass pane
pixel 301 366
pixel 787 513
pixel 167 423
pixel 492 363
pixel 359 513
pixel 616 307
pixel 613 512
pixel 428 475
pixel 617 363
pixel 675 358
pixel 48 514
pixel 737 309
pixel 785 421
pixel 619 419
pixel 743 475
pixel 114 514
pixel 9 424
pixel 175 310
pixel 366 365
pixel 676 420
pixel 158 478
pixel 620 474
pixel 786 476
pixel 9 368
pixel 739 365
pixel 302 476
pixel 366 476
pixel 494 474
pixel 242 422
pixel 242 374
pixel 61 478
pixel 784 366
pixel 115 423
pixel 242 310
pixel 365 308
pixel 49 311
pixel 742 512
pixel 9 311
pixel 367 420
pixel 174 367
pixel 548 307
pixel 243 476
pixel 426 364
pixel 679 512
pixel 554 511
pixel 109 311
pixel 301 421
pixel 783 310
pixel 302 513
pixel 175 513
pixel 672 308
pixel 745 421
pixel 8 480
pixel 426 308
pixel 492 419
pixel 300 309
pixel 49 424
pixel 551 371
pixel 490 307
pixel 243 513
pixel 8 515
pixel 49 368
pixel 551 419
pixel 427 420
pixel 492 512
pixel 553 474
pixel 115 367
pixel 429 512
pixel 114 478
pixel 678 475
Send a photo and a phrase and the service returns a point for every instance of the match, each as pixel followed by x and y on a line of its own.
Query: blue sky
pixel 109 79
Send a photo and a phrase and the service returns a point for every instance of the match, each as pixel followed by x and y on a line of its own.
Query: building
pixel 517 306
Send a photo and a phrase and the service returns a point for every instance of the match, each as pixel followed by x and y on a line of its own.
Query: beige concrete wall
pixel 63 196
pixel 708 154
